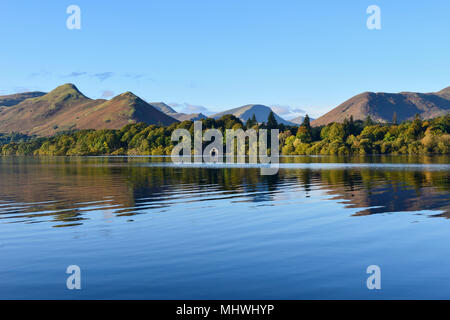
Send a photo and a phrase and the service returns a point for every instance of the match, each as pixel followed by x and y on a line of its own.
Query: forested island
pixel 417 136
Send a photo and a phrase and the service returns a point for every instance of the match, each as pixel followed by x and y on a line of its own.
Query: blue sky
pixel 211 55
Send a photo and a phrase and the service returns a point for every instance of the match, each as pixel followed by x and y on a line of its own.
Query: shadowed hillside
pixel 13 99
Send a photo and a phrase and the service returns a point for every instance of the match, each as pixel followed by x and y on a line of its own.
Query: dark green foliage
pixel 355 137
pixel 14 137
pixel 271 121
pixel 351 137
pixel 304 132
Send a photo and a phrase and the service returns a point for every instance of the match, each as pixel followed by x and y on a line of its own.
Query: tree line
pixel 350 137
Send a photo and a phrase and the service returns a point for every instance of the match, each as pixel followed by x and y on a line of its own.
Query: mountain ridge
pixel 16 98
pixel 382 106
pixel 66 108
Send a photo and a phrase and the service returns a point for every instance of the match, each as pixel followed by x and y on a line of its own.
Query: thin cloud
pixel 133 76
pixel 103 75
pixel 42 73
pixel 298 110
pixel 75 74
pixel 287 110
pixel 281 110
pixel 107 94
pixel 190 108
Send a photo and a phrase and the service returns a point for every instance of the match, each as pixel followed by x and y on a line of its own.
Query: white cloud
pixel 287 112
pixel 189 108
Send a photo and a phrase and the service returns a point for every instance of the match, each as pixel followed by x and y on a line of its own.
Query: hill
pixel 66 108
pixel 121 110
pixel 299 119
pixel 381 106
pixel 13 99
pixel 444 93
pixel 161 106
pixel 244 113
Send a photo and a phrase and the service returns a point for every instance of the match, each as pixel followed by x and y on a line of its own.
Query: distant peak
pixel 63 92
pixel 67 86
pixel 257 105
pixel 128 94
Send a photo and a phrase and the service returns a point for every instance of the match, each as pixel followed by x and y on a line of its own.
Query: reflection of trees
pixel 66 190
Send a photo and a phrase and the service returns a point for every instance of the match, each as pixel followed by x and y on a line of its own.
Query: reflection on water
pixel 141 227
pixel 64 190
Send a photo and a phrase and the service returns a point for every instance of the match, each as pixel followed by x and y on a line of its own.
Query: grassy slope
pixel 66 108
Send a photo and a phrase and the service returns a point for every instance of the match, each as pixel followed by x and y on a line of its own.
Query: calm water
pixel 142 228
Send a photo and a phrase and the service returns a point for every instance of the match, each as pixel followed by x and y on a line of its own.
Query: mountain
pixel 381 106
pixel 121 110
pixel 13 99
pixel 299 119
pixel 444 93
pixel 66 108
pixel 191 116
pixel 261 113
pixel 161 106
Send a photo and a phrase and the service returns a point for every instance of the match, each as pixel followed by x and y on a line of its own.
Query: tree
pixel 306 122
pixel 251 122
pixel 271 121
pixel 348 126
pixel 368 121
pixel 304 132
pixel 394 118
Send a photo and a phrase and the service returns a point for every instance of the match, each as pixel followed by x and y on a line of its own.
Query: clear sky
pixel 211 55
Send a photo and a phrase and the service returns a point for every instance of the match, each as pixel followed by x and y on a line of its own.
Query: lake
pixel 144 228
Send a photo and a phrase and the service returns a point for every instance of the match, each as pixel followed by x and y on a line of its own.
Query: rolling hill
pixel 381 106
pixel 66 108
pixel 261 113
pixel 13 99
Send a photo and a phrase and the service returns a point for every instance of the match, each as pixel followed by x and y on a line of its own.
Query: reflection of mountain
pixel 379 191
pixel 70 191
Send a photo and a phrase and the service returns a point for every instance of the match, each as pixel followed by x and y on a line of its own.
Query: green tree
pixel 304 132
pixel 271 121
pixel 251 122
pixel 368 121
